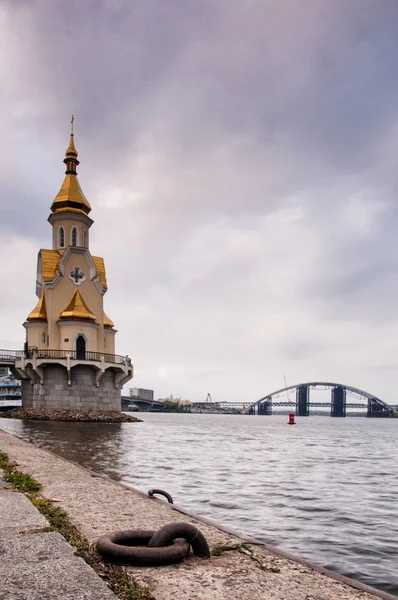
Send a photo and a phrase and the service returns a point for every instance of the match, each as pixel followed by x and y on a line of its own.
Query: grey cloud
pixel 221 146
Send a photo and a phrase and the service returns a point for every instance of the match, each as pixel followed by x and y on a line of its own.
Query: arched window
pixel 61 237
pixel 74 236
pixel 85 239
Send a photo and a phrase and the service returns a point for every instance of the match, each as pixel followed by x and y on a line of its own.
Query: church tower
pixel 69 359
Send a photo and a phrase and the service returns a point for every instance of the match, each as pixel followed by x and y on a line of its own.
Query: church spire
pixel 71 153
pixel 71 195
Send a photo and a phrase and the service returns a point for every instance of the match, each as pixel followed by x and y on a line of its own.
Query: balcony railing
pixel 13 355
pixel 74 355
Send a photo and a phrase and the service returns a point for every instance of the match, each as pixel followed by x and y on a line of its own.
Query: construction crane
pixel 288 391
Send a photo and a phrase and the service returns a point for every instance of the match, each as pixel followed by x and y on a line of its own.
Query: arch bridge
pixel 338 403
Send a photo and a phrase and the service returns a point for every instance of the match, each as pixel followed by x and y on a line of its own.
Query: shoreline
pixel 115 505
pixel 53 414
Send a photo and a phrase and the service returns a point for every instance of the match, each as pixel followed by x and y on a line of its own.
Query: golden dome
pixel 70 196
pixel 71 148
pixel 77 211
pixel 108 323
pixel 39 313
pixel 77 309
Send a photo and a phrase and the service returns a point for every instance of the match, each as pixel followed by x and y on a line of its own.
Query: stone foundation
pixel 81 394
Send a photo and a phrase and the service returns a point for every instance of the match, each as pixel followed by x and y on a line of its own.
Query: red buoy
pixel 291 419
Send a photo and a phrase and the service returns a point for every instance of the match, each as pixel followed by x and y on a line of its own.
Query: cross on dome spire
pixel 71 153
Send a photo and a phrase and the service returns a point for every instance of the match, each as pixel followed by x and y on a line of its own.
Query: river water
pixel 325 489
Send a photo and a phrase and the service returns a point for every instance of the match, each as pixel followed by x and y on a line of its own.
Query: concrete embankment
pixel 37 564
pixel 97 505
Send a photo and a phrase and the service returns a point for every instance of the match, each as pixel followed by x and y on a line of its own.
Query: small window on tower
pixel 85 239
pixel 74 236
pixel 61 237
pixel 43 338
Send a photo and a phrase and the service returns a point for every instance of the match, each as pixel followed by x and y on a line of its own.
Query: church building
pixel 69 359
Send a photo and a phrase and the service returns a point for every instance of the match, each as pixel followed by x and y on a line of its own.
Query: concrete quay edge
pixel 192 575
pixel 36 563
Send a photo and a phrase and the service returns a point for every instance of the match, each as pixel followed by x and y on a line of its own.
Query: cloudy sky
pixel 241 159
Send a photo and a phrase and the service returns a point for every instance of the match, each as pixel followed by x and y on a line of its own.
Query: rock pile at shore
pixel 53 414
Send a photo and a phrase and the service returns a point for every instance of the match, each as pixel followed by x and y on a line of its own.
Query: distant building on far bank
pixel 177 401
pixel 69 359
pixel 141 393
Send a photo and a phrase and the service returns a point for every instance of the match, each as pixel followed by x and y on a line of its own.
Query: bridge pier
pixel 338 408
pixel 303 401
pixel 265 408
pixel 376 409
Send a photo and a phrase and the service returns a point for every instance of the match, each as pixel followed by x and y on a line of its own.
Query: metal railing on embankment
pixel 10 354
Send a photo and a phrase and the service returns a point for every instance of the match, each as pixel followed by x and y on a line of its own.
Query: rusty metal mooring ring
pixel 131 547
pixel 162 493
pixel 165 535
pixel 169 545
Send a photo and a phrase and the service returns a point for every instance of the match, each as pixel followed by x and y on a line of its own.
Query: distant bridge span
pixel 375 406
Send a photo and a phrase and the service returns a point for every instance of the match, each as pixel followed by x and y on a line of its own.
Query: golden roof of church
pixel 39 313
pixel 100 268
pixel 71 195
pixel 50 263
pixel 67 209
pixel 108 323
pixel 77 309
